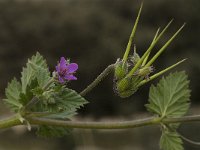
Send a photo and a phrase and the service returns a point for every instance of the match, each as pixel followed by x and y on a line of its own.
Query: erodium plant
pixel 44 99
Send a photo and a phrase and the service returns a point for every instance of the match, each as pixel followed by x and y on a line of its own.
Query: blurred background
pixel 94 33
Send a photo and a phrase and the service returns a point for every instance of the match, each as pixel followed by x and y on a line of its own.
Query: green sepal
pixel 135 57
pixel 144 71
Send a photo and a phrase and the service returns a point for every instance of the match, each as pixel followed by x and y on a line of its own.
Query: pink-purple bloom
pixel 65 70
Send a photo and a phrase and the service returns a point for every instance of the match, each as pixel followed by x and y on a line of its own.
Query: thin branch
pixel 189 140
pixel 97 80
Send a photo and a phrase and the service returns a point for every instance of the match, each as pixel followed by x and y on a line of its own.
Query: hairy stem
pixel 97 80
pixel 14 120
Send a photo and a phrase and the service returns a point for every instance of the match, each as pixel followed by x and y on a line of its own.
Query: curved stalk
pixel 97 80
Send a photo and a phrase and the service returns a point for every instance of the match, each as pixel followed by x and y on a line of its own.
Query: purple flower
pixel 65 70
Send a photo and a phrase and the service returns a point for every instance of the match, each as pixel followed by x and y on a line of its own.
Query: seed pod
pixel 127 86
pixel 123 85
pixel 120 70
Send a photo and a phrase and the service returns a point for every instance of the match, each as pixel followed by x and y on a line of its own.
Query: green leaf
pixel 61 103
pixel 29 93
pixel 43 76
pixel 35 75
pixel 60 99
pixel 42 73
pixel 171 141
pixel 52 131
pixel 31 71
pixel 69 99
pixel 170 98
pixel 12 95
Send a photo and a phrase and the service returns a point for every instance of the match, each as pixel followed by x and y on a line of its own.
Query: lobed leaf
pixel 170 141
pixel 62 104
pixel 12 95
pixel 31 71
pixel 61 99
pixel 29 93
pixel 52 131
pixel 170 98
pixel 62 115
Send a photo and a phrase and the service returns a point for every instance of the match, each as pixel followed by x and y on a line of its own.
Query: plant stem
pixel 191 118
pixel 96 125
pixel 14 120
pixel 98 80
pixel 10 122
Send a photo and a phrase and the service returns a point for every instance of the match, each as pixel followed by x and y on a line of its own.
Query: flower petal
pixel 72 67
pixel 70 77
pixel 58 68
pixel 62 63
